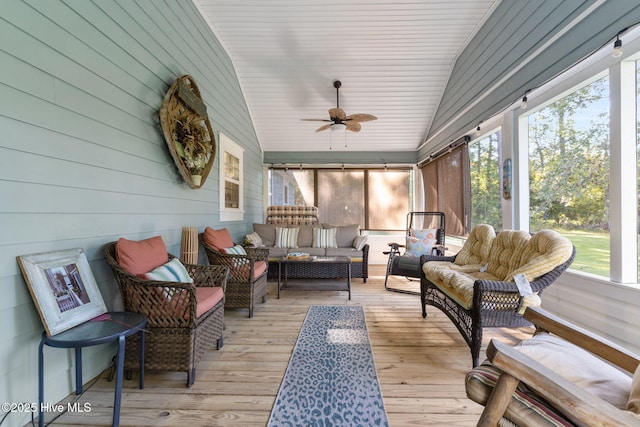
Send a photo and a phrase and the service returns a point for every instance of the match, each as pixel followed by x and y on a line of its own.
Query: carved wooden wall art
pixel 187 131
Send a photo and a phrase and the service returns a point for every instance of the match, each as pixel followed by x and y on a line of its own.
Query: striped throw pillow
pixel 235 250
pixel 173 271
pixel 287 237
pixel 324 238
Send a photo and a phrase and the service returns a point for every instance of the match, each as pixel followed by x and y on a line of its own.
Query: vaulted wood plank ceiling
pixel 393 59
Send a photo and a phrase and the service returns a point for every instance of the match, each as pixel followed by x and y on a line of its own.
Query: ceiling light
pixel 617 47
pixel 338 127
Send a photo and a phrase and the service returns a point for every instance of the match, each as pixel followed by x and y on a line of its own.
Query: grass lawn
pixel 592 251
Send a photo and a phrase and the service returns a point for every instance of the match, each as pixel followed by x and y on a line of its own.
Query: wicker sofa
pixel 348 240
pixel 476 288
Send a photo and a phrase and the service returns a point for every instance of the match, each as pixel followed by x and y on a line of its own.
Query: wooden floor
pixel 421 365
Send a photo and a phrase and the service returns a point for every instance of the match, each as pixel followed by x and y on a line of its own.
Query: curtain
pixel 447 188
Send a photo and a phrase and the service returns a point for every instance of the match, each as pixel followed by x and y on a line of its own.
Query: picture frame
pixel 62 287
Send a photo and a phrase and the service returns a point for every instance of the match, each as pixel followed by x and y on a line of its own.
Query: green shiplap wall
pixel 515 32
pixel 82 157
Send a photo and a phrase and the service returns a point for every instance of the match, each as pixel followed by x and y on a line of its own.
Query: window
pixel 569 173
pixel 486 185
pixel 291 187
pixel 389 196
pixel 377 199
pixel 231 188
pixel 341 196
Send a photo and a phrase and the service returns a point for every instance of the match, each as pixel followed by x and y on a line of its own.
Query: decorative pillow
pixel 138 257
pixel 254 239
pixel 267 233
pixel 359 242
pixel 235 250
pixel 344 234
pixel 427 233
pixel 286 237
pixel 324 238
pixel 415 246
pixel 173 271
pixel 218 239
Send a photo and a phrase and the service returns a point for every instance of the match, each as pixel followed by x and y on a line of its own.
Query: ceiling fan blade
pixel 337 113
pixel 353 126
pixel 316 120
pixel 361 117
pixel 321 128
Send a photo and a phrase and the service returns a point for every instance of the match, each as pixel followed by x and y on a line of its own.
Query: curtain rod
pixel 455 144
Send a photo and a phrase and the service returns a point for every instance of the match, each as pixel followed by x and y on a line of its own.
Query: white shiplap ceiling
pixel 393 59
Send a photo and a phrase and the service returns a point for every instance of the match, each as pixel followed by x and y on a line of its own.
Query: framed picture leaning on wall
pixel 62 287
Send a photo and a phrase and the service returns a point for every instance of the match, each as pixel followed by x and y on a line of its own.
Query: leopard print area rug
pixel 331 379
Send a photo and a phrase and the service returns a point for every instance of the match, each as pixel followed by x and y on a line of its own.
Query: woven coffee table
pixel 320 267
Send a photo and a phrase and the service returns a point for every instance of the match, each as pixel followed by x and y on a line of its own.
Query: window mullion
pixel 623 173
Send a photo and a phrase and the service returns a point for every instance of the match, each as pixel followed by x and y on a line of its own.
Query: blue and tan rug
pixel 331 378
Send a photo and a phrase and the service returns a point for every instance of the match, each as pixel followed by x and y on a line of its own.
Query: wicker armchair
pixel 177 337
pixel 244 287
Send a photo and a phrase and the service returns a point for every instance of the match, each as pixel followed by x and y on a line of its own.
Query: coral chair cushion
pixel 140 257
pixel 259 268
pixel 207 298
pixel 218 239
pixel 243 272
pixel 173 271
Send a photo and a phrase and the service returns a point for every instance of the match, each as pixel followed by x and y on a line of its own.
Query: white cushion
pixel 324 238
pixel 580 367
pixel 286 237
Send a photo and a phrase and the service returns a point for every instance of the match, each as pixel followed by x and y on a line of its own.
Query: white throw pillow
pixel 287 237
pixel 324 238
pixel 173 271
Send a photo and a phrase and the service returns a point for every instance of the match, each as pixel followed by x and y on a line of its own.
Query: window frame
pixel 227 145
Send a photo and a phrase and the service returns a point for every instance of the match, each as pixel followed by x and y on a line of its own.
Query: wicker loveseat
pixel 476 288
pixel 303 219
pixel 183 319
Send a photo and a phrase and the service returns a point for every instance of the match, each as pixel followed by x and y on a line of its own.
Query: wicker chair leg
pixel 191 377
pixel 264 298
pixel 250 312
pixel 476 344
pixel 219 343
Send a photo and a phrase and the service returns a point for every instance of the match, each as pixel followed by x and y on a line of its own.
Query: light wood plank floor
pixel 421 365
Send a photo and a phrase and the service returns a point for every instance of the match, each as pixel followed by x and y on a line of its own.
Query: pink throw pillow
pixel 218 239
pixel 140 257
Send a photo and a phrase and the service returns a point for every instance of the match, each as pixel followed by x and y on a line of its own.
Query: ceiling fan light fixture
pixel 338 127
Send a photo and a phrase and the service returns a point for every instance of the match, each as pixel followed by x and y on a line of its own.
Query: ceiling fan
pixel 339 120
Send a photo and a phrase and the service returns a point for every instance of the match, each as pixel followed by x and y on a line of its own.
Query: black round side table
pixel 112 326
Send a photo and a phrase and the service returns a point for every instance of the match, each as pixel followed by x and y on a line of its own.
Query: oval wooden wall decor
pixel 187 131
